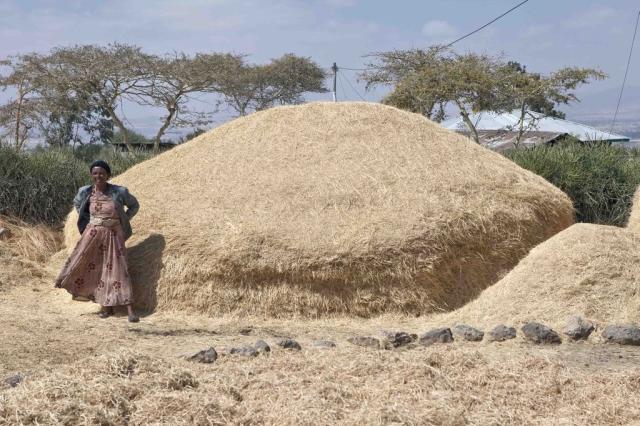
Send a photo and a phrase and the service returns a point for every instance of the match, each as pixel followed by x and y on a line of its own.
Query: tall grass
pixel 600 178
pixel 39 186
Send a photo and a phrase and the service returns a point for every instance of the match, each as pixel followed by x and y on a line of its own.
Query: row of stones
pixel 576 329
pixel 210 355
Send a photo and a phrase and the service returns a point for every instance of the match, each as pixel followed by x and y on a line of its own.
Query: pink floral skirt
pixel 97 268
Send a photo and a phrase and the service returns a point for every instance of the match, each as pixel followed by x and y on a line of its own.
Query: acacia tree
pixel 403 70
pixel 426 81
pixel 245 87
pixel 523 92
pixel 46 104
pixel 104 75
pixel 72 120
pixel 76 91
pixel 21 114
pixel 172 79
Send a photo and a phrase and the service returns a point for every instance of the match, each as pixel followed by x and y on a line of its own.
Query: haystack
pixel 588 270
pixel 634 218
pixel 351 208
pixel 23 250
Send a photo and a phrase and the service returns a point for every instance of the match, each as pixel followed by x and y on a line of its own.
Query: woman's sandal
pixel 105 313
pixel 133 318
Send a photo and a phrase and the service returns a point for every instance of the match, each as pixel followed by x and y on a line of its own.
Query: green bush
pixel 39 186
pixel 599 178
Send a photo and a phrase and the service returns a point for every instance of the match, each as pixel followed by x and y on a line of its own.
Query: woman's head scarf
pixel 100 163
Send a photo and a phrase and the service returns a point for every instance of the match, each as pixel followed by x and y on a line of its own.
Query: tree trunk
pixel 520 126
pixel 19 117
pixel 467 121
pixel 165 125
pixel 123 130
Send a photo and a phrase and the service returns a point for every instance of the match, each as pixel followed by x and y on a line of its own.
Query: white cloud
pixel 537 30
pixel 438 29
pixel 339 4
pixel 594 17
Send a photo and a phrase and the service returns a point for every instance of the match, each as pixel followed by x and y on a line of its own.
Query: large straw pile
pixel 331 208
pixel 634 218
pixel 589 270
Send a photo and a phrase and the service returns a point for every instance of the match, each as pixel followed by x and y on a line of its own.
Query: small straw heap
pixel 330 208
pixel 24 248
pixel 587 270
pixel 27 242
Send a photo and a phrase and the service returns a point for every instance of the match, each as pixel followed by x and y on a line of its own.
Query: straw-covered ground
pixel 79 369
pixel 331 208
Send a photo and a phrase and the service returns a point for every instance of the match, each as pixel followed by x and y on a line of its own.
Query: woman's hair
pixel 100 163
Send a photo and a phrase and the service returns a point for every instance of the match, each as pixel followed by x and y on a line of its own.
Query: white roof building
pixel 533 122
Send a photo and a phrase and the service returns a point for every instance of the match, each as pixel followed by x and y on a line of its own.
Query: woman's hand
pixel 58 283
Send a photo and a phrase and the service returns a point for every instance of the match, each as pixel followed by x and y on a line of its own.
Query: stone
pixel 5 234
pixel 13 381
pixel 468 333
pixel 540 333
pixel 626 334
pixel 437 335
pixel 501 333
pixel 578 328
pixel 398 338
pixel 365 342
pixel 323 344
pixel 206 356
pixel 243 351
pixel 245 331
pixel 289 344
pixel 262 347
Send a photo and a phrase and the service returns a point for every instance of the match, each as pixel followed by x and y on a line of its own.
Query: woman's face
pixel 99 176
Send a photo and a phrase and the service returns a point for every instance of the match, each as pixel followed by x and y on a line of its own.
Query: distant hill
pixel 597 109
pixel 602 104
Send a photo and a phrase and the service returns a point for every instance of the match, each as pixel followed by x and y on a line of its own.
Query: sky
pixel 542 34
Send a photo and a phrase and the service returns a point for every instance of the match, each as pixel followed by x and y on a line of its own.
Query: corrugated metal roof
pixel 533 122
pixel 501 140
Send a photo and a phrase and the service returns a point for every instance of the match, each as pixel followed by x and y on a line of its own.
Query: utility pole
pixel 334 68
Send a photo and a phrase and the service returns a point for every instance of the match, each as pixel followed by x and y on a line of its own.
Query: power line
pixel 626 71
pixel 356 69
pixel 487 24
pixel 352 87
pixel 458 39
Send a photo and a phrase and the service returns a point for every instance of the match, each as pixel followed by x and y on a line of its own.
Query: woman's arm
pixel 77 200
pixel 132 204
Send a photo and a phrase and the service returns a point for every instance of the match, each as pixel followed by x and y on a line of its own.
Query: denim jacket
pixel 121 198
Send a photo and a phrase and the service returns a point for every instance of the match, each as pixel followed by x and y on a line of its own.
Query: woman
pixel 97 267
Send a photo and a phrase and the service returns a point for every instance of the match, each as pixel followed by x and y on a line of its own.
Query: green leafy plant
pixel 599 178
pixel 39 186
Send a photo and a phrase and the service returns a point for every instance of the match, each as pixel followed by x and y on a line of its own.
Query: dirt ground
pixel 80 369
